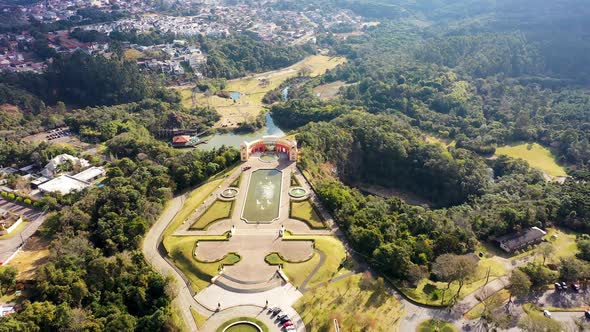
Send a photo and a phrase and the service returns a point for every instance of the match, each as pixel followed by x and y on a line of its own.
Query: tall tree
pixel 520 284
pixel 451 268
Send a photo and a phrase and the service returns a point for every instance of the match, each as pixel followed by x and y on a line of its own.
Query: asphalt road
pixel 10 245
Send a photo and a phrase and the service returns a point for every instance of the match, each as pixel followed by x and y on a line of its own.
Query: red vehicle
pixel 288 323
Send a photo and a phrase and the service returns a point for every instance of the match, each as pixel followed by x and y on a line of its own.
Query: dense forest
pixel 483 76
pixel 238 55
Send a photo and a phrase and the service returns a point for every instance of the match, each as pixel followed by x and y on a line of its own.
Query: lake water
pixel 232 139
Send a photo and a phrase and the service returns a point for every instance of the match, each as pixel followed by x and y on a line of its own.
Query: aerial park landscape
pixel 294 165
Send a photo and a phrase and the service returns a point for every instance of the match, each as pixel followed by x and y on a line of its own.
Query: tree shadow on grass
pixel 189 266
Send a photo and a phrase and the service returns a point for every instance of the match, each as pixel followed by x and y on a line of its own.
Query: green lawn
pixel 237 181
pixel 436 293
pixel 357 305
pixel 243 328
pixel 199 319
pixel 536 155
pixel 217 211
pixel 15 232
pixel 435 325
pixel 493 301
pixel 193 201
pixel 564 244
pixel 304 211
pixel 335 255
pixel 181 249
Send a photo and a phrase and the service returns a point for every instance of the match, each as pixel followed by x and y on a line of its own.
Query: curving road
pixel 151 252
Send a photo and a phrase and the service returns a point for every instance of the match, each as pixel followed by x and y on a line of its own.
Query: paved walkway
pixel 252 241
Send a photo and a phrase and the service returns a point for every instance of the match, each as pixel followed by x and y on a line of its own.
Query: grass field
pixel 181 248
pixel 536 155
pixel 199 319
pixel 34 254
pixel 193 201
pixel 357 305
pixel 564 244
pixel 335 255
pixel 253 88
pixel 436 140
pixel 304 211
pixel 328 91
pixel 217 211
pixel 435 325
pixel 431 292
pixel 492 302
pixel 15 232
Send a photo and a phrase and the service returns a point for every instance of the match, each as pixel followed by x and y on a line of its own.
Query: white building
pixel 64 184
pixel 54 166
pixel 91 174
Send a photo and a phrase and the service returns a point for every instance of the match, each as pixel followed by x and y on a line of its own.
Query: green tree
pixel 520 284
pixel 7 278
pixel 451 268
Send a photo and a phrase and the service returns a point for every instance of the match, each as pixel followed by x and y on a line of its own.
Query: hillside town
pixel 24 51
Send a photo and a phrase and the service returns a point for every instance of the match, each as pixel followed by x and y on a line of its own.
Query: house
pixel 182 141
pixel 9 221
pixel 6 310
pixel 513 242
pixel 62 162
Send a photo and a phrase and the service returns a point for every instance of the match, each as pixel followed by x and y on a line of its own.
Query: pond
pixel 264 196
pixel 235 95
pixel 233 139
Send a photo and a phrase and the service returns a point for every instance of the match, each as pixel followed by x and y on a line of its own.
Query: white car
pixel 547 313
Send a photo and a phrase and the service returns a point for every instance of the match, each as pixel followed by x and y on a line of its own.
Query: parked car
pixel 587 314
pixel 563 285
pixel 273 309
pixel 547 313
pixel 284 319
pixel 290 328
pixel 288 323
pixel 558 286
pixel 245 168
pixel 575 287
pixel 281 316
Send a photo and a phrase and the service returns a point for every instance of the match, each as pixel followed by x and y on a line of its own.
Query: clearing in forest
pixel 253 88
pixel 328 91
pixel 537 156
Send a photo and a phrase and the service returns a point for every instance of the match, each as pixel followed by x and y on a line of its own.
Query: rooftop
pixel 64 184
pixel 90 174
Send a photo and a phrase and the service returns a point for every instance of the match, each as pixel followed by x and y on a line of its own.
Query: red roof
pixel 181 139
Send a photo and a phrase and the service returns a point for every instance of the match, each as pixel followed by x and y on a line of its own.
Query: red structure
pixel 270 144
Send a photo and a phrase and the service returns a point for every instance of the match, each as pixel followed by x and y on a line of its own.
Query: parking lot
pixel 10 243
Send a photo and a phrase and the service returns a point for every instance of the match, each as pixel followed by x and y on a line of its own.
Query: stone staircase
pixel 242 286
